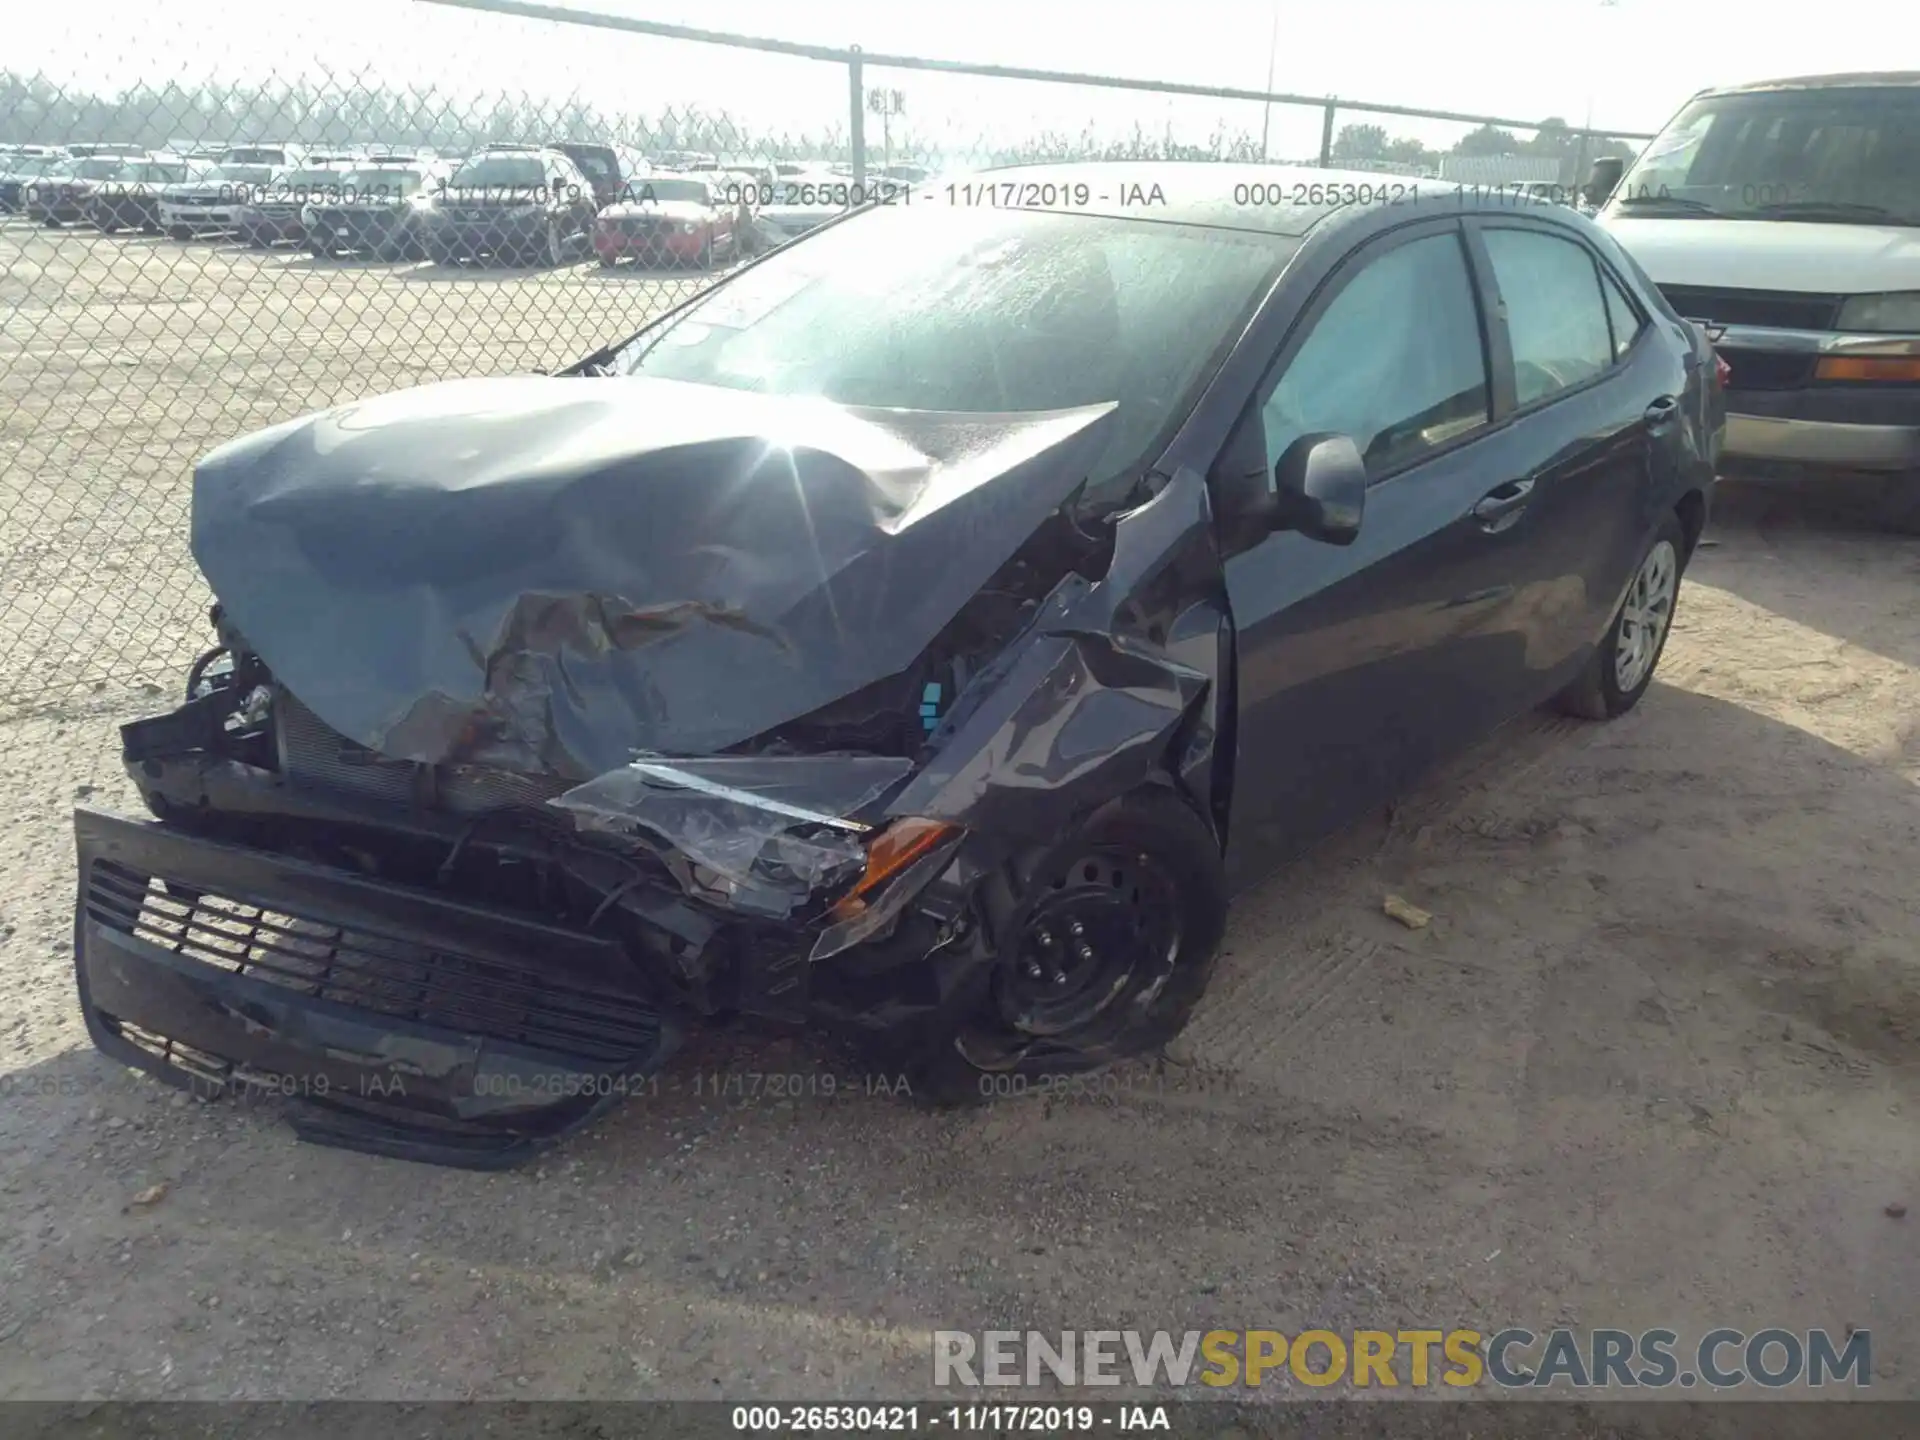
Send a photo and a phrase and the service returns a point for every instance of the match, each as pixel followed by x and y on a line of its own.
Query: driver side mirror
pixel 1320 488
pixel 1603 179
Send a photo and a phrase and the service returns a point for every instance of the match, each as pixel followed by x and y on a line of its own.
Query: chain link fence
pixel 180 287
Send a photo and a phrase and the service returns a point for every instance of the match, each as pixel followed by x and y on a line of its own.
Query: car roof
pixel 1845 81
pixel 1275 199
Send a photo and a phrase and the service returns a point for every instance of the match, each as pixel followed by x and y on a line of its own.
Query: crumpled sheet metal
pixel 1085 704
pixel 546 574
pixel 775 828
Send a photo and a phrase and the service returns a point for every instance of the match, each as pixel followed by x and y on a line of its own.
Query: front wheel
pixel 556 244
pixel 1897 506
pixel 1104 952
pixel 1622 667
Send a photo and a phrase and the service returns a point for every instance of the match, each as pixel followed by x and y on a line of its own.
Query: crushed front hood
pixel 548 574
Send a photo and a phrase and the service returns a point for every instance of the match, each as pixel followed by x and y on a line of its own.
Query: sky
pixel 1628 64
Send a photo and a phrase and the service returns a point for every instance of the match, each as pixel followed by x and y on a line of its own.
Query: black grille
pixel 369 970
pixel 1776 309
pixel 1768 370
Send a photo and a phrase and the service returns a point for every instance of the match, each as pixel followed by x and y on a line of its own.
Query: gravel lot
pixel 1653 1063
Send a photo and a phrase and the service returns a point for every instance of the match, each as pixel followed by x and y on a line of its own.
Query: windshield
pixel 31 166
pixel 665 190
pixel 255 155
pixel 491 172
pixel 152 172
pixel 321 179
pixel 102 168
pixel 1839 155
pixel 979 310
pixel 383 182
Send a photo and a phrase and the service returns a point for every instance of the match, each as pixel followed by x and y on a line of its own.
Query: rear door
pixel 1358 665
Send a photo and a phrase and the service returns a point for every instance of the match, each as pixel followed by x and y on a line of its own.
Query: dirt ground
pixel 1654 1062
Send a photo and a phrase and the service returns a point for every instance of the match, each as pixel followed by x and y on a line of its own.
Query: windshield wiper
pixel 1672 202
pixel 1829 210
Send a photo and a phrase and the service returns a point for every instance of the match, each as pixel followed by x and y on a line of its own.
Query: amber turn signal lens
pixel 892 851
pixel 1896 368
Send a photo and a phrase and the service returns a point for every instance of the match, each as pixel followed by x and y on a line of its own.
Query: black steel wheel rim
pixel 1103 932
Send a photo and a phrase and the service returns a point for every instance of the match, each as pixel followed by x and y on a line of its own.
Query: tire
pixel 105 225
pixel 319 251
pixel 1622 667
pixel 439 252
pixel 149 227
pixel 705 261
pixel 1144 875
pixel 556 245
pixel 181 232
pixel 607 262
pixel 255 240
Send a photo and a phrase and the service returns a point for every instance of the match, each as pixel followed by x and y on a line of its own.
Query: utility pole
pixel 887 104
pixel 1266 119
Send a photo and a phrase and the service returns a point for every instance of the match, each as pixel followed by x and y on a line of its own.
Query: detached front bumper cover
pixel 398 1022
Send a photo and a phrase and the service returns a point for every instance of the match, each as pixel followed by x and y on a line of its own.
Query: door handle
pixel 1662 412
pixel 1503 503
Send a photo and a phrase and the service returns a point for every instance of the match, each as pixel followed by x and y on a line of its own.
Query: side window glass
pixel 1621 315
pixel 1394 362
pixel 1556 317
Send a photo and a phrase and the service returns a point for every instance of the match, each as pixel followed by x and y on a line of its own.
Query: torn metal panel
pixel 546 575
pixel 768 830
pixel 1085 704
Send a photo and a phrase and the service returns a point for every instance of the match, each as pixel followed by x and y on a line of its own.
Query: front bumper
pixel 510 236
pixel 199 218
pixel 398 1022
pixel 362 229
pixel 1822 444
pixel 273 225
pixel 617 242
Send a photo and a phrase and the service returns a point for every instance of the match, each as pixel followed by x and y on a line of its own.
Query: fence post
pixel 1326 135
pixel 857 107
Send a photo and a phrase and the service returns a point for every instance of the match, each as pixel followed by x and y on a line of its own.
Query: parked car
pixel 671 218
pixel 59 195
pixel 806 200
pixel 515 205
pixel 130 198
pixel 377 210
pixel 919 633
pixel 273 212
pixel 1785 217
pixel 212 202
pixel 18 173
pixel 275 154
pixel 602 166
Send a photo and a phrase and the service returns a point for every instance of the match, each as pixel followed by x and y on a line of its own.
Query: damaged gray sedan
pixel 917 635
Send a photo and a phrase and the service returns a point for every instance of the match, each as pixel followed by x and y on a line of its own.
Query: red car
pixel 668 218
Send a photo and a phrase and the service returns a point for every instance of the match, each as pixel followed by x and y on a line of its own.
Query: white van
pixel 1784 217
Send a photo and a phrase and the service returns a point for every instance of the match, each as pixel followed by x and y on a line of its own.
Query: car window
pixel 1556 316
pixel 1395 361
pixel 1621 315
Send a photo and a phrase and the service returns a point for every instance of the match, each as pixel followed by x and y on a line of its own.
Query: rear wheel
pixel 149 227
pixel 1104 952
pixel 1622 667
pixel 181 232
pixel 106 224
